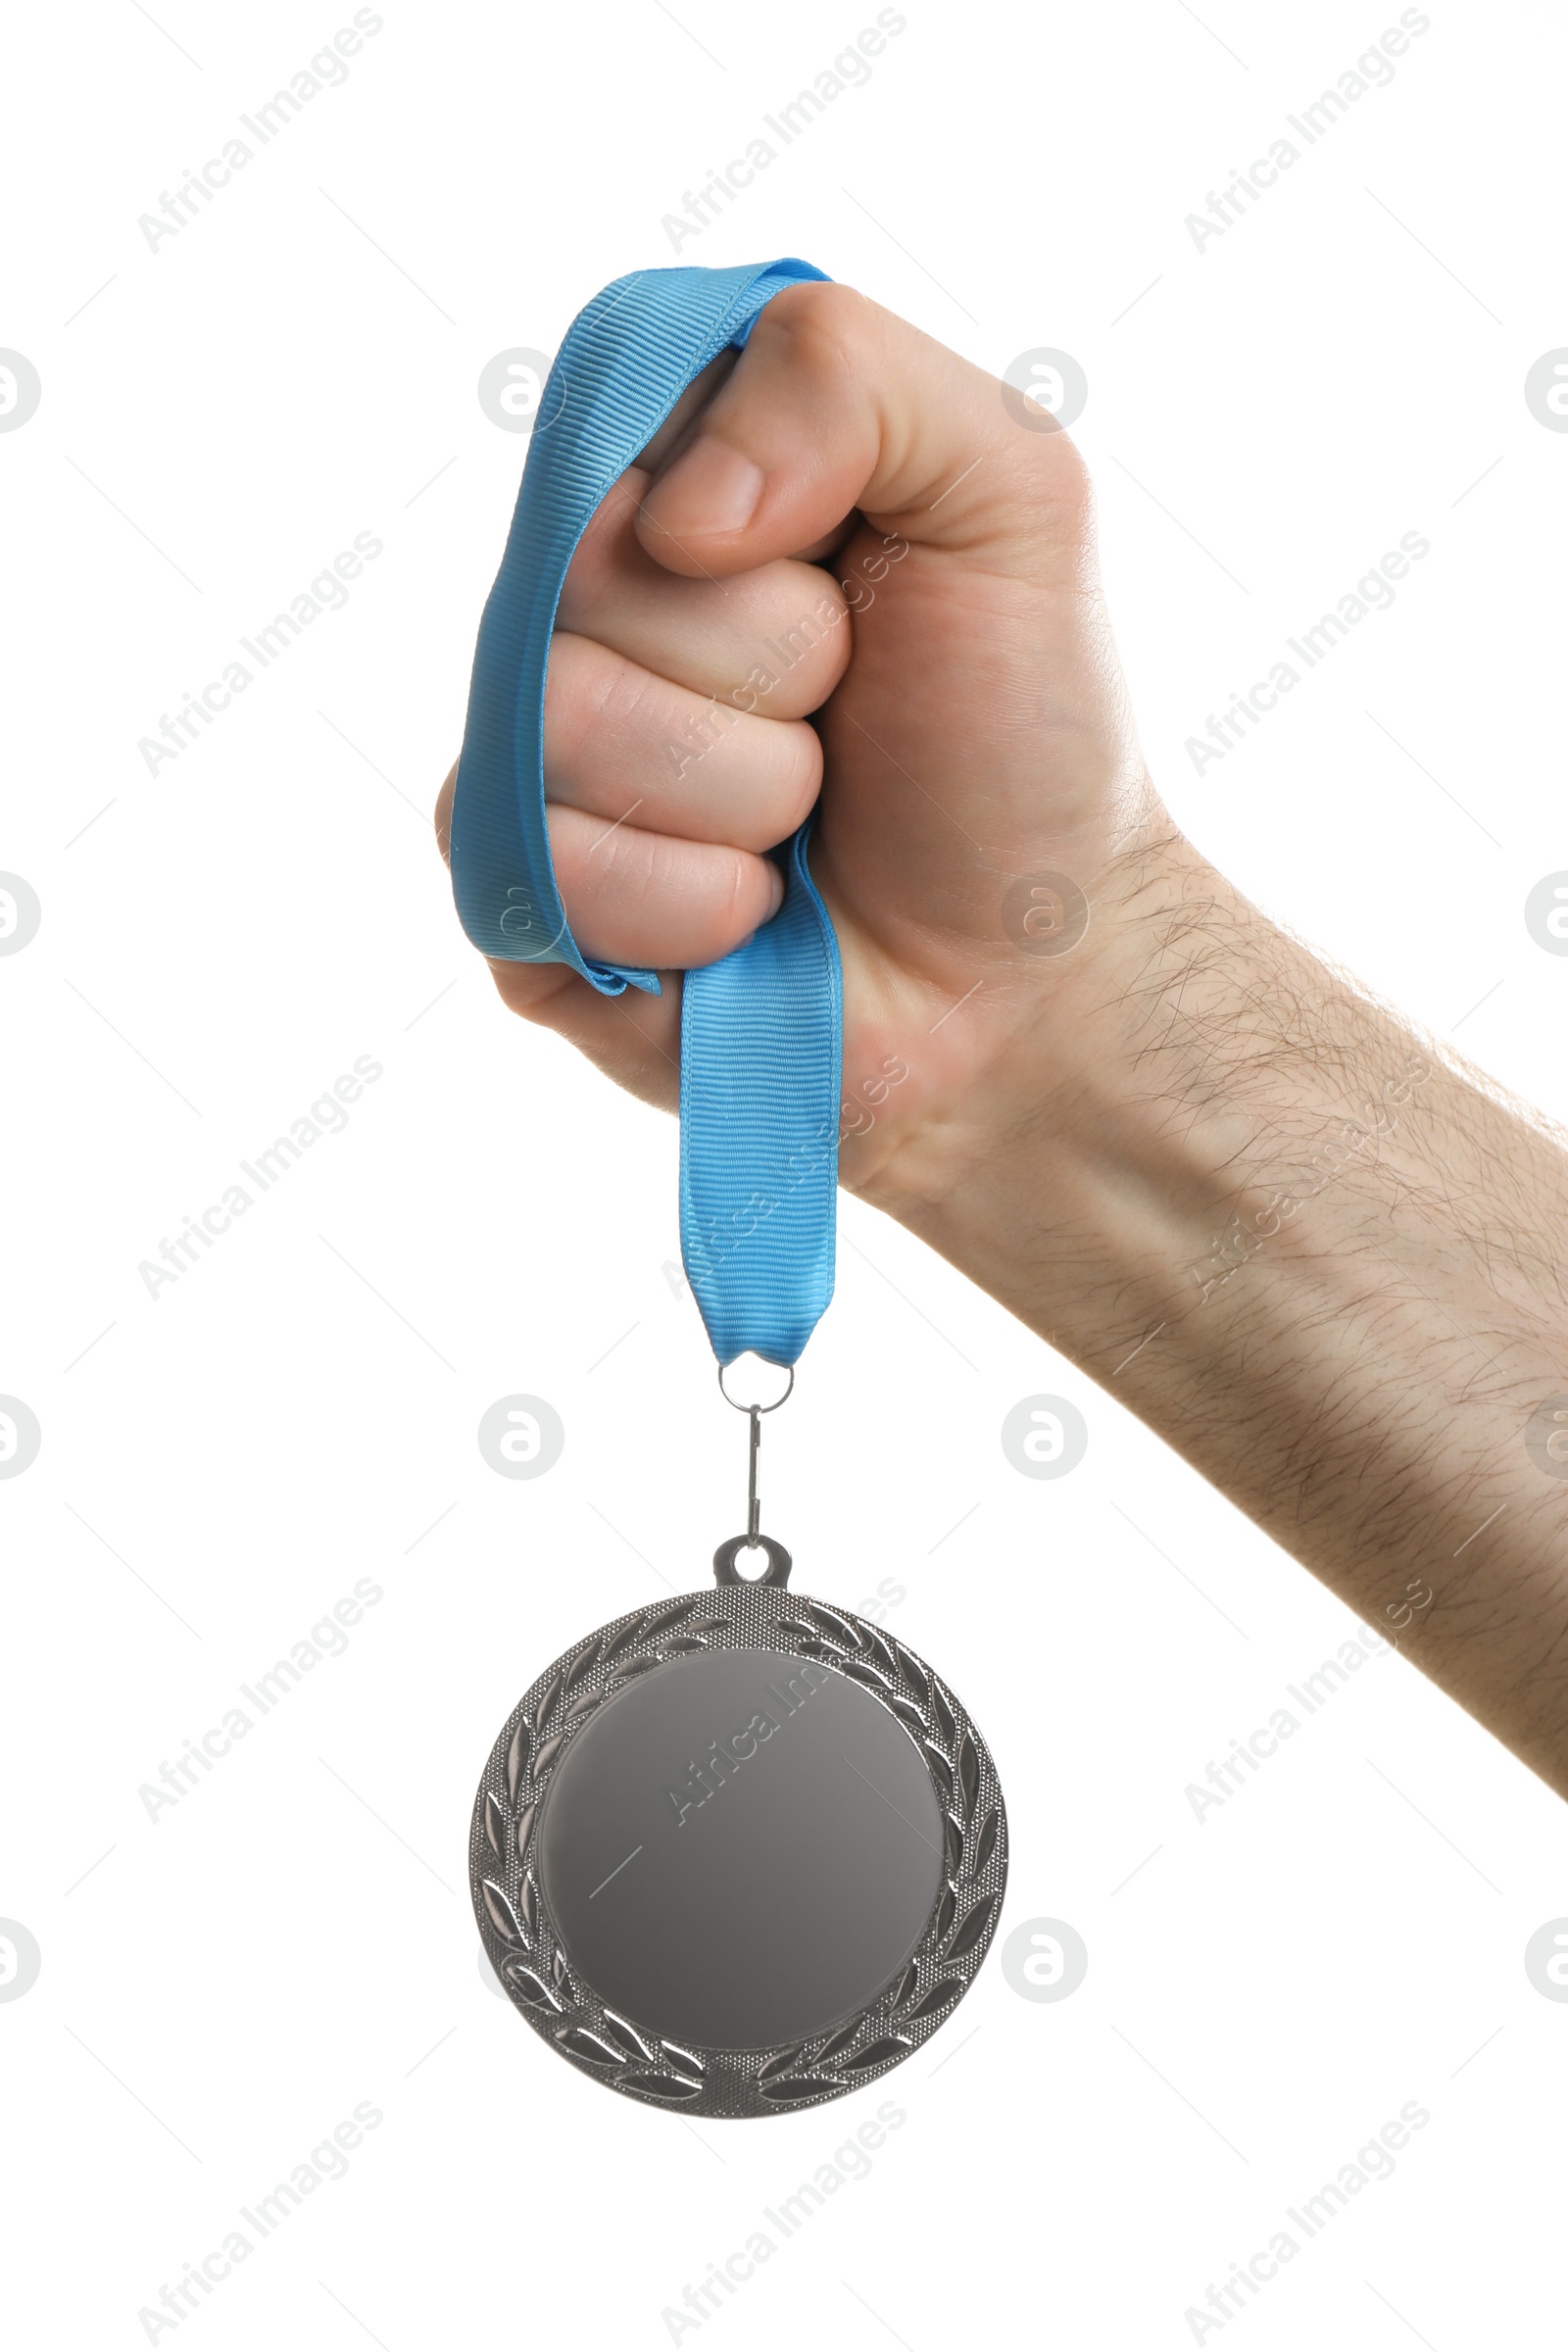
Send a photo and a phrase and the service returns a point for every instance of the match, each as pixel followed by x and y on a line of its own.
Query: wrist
pixel 1059 1111
pixel 1149 1114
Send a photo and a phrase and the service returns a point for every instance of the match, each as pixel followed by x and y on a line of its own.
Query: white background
pixel 220 941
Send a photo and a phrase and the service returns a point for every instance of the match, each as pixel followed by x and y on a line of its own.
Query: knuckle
pixel 740 891
pixel 800 781
pixel 826 321
pixel 1059 485
pixel 587 687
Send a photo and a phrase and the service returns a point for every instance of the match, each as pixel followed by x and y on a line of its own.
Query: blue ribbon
pixel 760 1030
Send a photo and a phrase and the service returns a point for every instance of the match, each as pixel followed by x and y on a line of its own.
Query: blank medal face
pixel 738 1853
pixel 742 1848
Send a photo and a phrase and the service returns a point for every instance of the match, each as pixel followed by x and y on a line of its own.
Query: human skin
pixel 1311 1249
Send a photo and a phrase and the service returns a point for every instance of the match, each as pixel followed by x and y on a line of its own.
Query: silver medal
pixel 740 1852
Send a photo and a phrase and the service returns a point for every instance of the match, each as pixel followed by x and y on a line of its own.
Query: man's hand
pixel 1306 1247
pixel 974 728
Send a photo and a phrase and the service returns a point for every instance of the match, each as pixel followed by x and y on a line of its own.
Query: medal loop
pixel 777 1571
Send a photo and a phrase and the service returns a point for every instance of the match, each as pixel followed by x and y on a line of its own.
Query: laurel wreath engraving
pixel 928 1987
pixel 534 1968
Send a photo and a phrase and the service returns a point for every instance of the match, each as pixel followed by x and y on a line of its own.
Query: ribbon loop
pixel 760 1030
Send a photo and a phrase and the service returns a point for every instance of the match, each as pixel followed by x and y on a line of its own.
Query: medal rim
pixel 520 1938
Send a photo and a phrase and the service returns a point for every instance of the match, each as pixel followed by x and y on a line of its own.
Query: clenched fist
pixel 842 569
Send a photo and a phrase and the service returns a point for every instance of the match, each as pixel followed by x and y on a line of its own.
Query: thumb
pixel 834 405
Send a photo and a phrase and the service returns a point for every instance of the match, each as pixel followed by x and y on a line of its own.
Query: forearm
pixel 1316 1258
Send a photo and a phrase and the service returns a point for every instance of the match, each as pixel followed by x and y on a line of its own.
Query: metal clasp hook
pixel 779 1563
